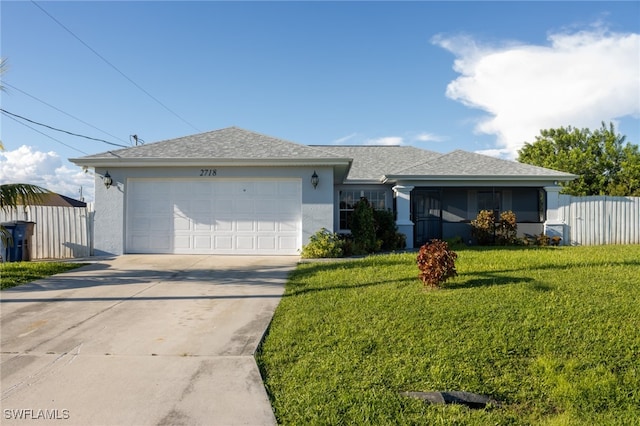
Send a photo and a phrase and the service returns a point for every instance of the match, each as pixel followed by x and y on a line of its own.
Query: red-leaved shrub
pixel 436 263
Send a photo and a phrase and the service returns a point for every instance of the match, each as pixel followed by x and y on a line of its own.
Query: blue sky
pixel 478 76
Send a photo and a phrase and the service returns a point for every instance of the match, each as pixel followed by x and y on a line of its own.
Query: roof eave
pixel 350 181
pixel 509 178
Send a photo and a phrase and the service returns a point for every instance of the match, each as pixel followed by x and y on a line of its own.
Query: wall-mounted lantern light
pixel 107 180
pixel 315 180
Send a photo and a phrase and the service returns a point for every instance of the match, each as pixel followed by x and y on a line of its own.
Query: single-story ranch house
pixel 233 191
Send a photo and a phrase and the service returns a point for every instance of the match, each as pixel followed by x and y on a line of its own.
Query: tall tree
pixel 604 163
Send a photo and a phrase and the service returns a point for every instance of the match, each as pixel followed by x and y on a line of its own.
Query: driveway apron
pixel 141 340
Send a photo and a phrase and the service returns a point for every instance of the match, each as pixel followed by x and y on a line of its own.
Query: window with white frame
pixel 348 199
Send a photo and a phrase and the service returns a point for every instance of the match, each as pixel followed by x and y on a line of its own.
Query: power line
pixel 4 111
pixel 59 110
pixel 44 134
pixel 114 67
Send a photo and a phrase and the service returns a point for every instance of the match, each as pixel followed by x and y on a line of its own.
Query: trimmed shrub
pixel 543 240
pixel 436 263
pixel 363 228
pixel 322 244
pixel 347 244
pixel 507 228
pixel 487 231
pixel 483 227
pixel 387 231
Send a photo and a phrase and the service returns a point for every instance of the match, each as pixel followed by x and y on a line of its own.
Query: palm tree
pixel 15 194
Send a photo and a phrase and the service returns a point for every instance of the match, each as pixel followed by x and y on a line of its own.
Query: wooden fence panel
pixel 596 220
pixel 59 232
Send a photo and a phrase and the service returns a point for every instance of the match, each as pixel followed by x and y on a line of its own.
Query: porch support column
pixel 403 209
pixel 555 226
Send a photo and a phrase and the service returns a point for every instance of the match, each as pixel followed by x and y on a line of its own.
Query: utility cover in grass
pixel 471 400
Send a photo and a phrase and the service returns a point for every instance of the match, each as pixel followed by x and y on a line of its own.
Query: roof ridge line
pixel 420 163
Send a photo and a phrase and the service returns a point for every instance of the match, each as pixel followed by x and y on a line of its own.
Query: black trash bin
pixel 8 249
pixel 21 232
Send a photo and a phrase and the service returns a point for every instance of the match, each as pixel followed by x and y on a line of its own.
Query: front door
pixel 427 215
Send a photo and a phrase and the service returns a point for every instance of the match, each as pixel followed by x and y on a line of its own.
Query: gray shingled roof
pixel 467 164
pixel 373 162
pixel 369 163
pixel 228 143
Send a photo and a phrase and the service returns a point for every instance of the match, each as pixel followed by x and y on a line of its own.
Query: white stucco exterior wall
pixel 555 225
pixel 317 204
pixel 108 220
pixel 403 206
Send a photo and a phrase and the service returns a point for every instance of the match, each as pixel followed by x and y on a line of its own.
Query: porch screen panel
pixel 454 205
pixel 526 204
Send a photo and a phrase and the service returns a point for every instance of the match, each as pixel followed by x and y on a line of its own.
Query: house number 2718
pixel 208 172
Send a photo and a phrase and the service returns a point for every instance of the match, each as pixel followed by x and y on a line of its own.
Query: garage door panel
pixel 287 187
pixel 181 224
pixel 245 225
pixel 267 206
pixel 246 206
pixel 220 216
pixel 288 243
pixel 158 206
pixel 245 243
pixel 267 243
pixel 160 224
pixel 160 242
pixel 203 242
pixel 144 208
pixel 224 225
pixel 225 188
pixel 201 226
pixel 201 206
pixel 203 189
pixel 288 207
pixel 140 224
pixel 288 226
pixel 223 243
pixel 182 242
pixel 223 206
pixel 267 226
pixel 267 189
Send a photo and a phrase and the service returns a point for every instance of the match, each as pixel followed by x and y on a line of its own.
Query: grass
pixel 552 333
pixel 16 273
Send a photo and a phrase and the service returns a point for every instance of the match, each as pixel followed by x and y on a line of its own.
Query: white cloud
pixel 45 169
pixel 502 153
pixel 579 79
pixel 409 138
pixel 427 137
pixel 344 139
pixel 388 140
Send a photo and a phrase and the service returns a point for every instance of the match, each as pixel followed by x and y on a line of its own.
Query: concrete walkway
pixel 141 340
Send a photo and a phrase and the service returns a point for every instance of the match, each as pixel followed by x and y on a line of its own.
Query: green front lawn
pixel 16 273
pixel 552 333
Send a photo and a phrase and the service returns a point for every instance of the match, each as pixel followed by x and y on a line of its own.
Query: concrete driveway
pixel 141 340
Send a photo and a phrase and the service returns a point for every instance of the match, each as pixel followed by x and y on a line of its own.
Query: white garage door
pixel 218 217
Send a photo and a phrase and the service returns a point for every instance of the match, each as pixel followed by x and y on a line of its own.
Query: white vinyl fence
pixel 59 232
pixel 597 220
